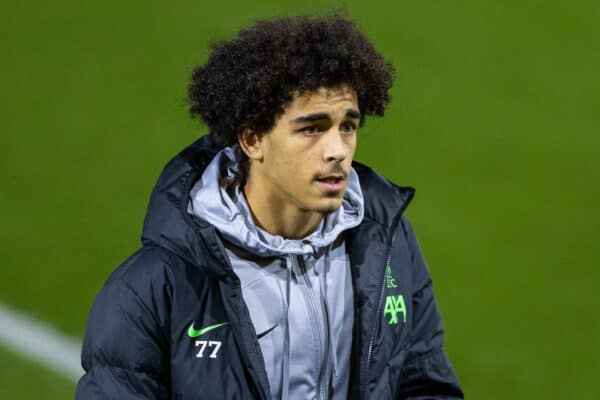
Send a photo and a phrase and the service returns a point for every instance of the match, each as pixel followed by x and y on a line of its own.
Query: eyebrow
pixel 351 112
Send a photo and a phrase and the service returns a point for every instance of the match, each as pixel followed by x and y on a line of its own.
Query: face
pixel 305 159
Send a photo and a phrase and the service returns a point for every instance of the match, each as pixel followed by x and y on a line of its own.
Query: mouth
pixel 331 183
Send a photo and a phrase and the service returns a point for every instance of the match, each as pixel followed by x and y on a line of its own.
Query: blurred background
pixel 492 120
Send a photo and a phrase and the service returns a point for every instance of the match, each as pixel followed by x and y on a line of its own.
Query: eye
pixel 309 130
pixel 348 127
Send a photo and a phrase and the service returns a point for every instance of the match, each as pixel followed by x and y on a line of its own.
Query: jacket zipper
pixel 380 301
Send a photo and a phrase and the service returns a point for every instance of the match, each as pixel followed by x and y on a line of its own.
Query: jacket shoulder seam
pixel 170 259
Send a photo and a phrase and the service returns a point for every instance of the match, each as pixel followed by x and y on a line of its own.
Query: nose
pixel 336 146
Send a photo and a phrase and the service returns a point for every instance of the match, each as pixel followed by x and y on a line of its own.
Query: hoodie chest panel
pixel 264 292
pixel 265 298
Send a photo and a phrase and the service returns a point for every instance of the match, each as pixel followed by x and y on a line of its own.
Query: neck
pixel 278 217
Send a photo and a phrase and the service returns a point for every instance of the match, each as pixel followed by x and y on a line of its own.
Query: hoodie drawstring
pixel 332 337
pixel 285 362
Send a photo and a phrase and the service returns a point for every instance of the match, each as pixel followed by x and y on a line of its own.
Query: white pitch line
pixel 40 343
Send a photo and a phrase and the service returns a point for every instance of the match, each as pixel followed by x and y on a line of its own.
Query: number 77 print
pixel 215 344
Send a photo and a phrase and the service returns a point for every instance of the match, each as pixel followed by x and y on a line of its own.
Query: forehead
pixel 324 99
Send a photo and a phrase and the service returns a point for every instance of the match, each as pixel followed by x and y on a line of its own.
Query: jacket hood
pixel 169 225
pixel 226 208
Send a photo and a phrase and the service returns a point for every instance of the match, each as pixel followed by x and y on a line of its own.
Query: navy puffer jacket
pixel 170 322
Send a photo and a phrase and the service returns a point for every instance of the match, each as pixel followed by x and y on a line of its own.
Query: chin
pixel 328 205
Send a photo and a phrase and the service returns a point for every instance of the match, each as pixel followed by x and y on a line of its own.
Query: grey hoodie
pixel 298 292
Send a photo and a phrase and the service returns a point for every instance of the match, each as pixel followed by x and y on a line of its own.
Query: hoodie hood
pixel 226 209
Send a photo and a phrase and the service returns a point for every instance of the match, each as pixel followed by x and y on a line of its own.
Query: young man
pixel 272 266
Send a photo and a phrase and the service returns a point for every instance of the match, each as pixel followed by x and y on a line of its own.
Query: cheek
pixel 352 145
pixel 295 164
pixel 297 172
pixel 287 169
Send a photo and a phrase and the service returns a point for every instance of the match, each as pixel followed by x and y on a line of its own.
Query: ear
pixel 251 143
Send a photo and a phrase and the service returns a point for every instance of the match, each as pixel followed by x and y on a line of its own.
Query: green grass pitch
pixel 494 120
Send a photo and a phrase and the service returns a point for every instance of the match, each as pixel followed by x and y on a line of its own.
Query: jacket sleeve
pixel 124 355
pixel 427 372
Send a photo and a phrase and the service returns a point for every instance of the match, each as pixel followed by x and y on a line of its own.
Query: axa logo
pixel 394 305
pixel 213 346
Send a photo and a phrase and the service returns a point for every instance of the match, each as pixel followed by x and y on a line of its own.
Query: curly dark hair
pixel 248 81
